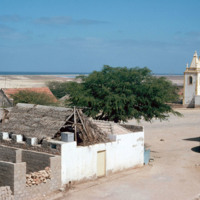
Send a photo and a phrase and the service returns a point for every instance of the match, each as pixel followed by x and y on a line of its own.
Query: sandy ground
pixel 29 81
pixel 176 79
pixel 174 173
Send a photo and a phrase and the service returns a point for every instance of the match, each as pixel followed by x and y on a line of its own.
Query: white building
pixel 124 151
pixel 122 147
pixel 192 83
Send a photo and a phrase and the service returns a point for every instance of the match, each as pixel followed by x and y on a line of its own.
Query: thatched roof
pixel 47 121
pixel 36 120
pixel 112 128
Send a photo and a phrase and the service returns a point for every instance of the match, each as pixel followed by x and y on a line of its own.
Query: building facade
pixel 191 97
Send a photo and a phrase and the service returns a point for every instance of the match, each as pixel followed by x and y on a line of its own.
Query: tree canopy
pixel 60 89
pixel 118 94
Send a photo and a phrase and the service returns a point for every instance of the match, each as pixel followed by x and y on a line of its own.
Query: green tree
pixel 31 97
pixel 121 93
pixel 60 89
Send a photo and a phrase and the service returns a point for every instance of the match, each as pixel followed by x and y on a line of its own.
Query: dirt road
pixel 173 175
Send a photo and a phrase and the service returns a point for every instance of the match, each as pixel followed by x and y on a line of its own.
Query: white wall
pixel 190 89
pixel 198 87
pixel 197 101
pixel 79 163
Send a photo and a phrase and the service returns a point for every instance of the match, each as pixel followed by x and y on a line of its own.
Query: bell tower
pixel 192 83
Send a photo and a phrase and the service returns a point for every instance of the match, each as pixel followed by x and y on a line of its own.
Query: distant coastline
pixel 40 79
pixel 43 73
pixel 70 73
pixel 168 74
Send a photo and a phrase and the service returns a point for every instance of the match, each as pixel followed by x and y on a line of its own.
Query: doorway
pixel 101 163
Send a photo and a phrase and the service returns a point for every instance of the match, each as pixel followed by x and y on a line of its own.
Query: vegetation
pixel 32 98
pixel 119 94
pixel 60 89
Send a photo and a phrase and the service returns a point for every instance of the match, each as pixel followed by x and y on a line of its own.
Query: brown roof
pixel 48 121
pixel 111 127
pixel 36 120
pixel 10 91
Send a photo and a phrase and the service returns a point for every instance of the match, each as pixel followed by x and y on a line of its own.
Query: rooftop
pixel 111 127
pixel 42 122
pixel 45 90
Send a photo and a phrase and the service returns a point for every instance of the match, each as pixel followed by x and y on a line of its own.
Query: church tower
pixel 192 83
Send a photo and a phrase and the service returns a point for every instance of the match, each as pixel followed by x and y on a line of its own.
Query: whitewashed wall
pixel 197 101
pixel 190 89
pixel 80 163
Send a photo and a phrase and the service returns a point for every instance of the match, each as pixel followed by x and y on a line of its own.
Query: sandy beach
pixel 30 81
pixel 175 79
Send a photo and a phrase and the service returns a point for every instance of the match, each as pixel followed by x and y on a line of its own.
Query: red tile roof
pixel 9 91
pixel 180 91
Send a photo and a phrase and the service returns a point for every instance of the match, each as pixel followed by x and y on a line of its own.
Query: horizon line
pixel 63 73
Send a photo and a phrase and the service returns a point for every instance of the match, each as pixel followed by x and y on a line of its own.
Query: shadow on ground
pixel 196 139
pixel 196 149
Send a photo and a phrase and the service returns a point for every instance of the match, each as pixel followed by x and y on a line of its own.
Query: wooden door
pixel 101 163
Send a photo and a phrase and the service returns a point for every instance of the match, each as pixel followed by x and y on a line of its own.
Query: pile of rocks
pixel 36 178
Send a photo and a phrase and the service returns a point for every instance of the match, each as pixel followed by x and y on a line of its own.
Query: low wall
pixel 35 191
pixel 6 193
pixel 80 163
pixel 7 174
pixel 14 174
pixel 10 154
pixel 35 161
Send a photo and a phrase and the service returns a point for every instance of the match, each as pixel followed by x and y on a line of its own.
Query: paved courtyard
pixel 173 174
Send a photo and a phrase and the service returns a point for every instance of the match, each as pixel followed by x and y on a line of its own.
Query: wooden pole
pixel 75 136
pixel 82 121
pixel 69 117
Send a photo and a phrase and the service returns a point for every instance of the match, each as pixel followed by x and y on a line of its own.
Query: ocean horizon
pixel 73 73
pixel 43 73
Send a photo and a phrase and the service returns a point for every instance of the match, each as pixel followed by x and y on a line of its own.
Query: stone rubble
pixel 35 178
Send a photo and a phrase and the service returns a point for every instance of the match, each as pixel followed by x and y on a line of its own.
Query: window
pixel 190 80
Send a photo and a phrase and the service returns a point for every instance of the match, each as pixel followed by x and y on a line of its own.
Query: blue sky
pixel 84 35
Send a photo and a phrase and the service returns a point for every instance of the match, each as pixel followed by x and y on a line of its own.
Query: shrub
pixel 33 98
